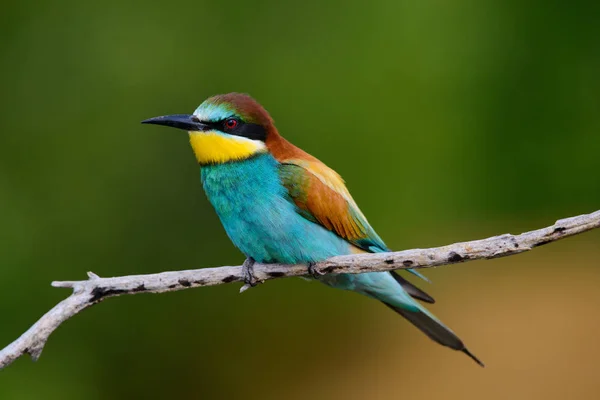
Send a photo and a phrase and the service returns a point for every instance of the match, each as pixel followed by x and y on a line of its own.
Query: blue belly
pixel 260 218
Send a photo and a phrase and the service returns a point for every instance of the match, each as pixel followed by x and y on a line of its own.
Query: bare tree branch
pixel 95 289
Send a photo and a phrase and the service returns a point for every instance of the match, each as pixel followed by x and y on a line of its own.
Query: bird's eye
pixel 231 123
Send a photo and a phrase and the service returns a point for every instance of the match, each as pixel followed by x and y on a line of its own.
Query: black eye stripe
pixel 250 131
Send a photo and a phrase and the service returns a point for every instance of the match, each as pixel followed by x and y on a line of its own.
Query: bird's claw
pixel 314 271
pixel 248 272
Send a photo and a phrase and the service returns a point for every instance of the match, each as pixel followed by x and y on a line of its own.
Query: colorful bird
pixel 279 204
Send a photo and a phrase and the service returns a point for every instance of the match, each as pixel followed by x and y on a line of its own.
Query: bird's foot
pixel 314 271
pixel 248 272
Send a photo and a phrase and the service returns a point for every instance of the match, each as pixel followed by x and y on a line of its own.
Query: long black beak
pixel 179 121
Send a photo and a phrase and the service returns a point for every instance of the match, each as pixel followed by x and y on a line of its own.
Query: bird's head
pixel 224 128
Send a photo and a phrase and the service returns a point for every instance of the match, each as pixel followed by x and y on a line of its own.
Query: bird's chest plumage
pixel 259 218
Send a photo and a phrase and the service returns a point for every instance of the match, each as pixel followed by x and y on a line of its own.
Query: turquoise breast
pixel 260 218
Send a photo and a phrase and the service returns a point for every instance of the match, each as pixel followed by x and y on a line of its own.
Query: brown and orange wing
pixel 322 197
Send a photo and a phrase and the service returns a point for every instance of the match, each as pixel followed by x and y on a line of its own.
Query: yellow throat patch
pixel 215 148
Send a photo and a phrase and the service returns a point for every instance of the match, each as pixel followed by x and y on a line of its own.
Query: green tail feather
pixel 411 289
pixel 435 330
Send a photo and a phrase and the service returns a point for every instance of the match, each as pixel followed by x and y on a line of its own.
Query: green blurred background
pixel 450 121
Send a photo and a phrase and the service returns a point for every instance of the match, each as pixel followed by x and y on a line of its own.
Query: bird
pixel 279 204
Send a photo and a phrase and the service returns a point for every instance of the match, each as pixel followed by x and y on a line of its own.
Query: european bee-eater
pixel 279 204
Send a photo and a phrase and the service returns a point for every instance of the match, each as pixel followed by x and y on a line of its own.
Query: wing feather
pixel 320 194
pixel 322 197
